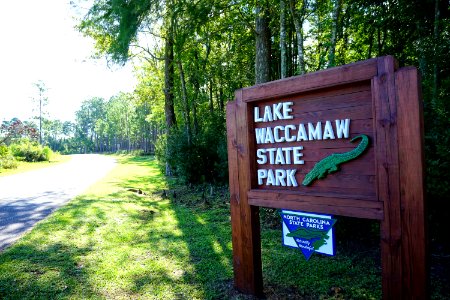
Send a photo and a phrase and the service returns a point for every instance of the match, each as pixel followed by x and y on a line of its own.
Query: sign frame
pixel 397 143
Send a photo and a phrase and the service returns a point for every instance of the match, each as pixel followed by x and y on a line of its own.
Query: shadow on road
pixel 20 214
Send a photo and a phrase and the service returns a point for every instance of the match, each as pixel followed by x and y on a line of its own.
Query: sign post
pixel 344 141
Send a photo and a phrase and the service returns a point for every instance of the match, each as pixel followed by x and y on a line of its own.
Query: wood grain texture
pixel 319 100
pixel 355 179
pixel 359 208
pixel 410 139
pixel 247 255
pixel 385 124
pixel 350 73
pixel 233 172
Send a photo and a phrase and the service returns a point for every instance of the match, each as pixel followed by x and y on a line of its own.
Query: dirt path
pixel 29 197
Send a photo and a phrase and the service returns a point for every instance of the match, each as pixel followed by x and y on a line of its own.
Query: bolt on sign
pixel 343 141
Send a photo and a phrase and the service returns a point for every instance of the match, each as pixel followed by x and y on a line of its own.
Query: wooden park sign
pixel 344 141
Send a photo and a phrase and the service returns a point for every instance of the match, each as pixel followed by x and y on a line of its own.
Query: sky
pixel 39 42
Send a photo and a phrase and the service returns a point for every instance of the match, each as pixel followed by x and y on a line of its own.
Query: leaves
pixel 15 129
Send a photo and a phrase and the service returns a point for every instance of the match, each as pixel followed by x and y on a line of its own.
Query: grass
pixel 24 166
pixel 123 239
pixel 112 243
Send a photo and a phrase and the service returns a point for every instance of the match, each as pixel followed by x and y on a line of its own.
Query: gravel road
pixel 29 197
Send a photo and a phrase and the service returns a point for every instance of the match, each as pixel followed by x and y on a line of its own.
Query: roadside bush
pixel 161 152
pixel 7 161
pixel 4 150
pixel 31 151
pixel 200 159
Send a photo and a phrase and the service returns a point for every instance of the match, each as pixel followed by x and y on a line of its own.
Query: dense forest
pixel 196 54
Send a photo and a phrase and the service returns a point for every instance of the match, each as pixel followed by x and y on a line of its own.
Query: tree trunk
pixel 211 103
pixel 194 115
pixel 196 83
pixel 220 99
pixel 262 59
pixel 128 131
pixel 168 83
pixel 40 118
pixel 293 57
pixel 369 52
pixel 436 51
pixel 334 28
pixel 283 54
pixel 299 17
pixel 168 78
pixel 187 112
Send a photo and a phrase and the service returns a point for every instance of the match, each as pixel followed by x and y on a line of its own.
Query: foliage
pixel 31 151
pixel 120 20
pixel 15 129
pixel 7 161
pixel 161 151
pixel 119 124
pixel 199 159
pixel 55 133
pixel 269 218
pixel 58 135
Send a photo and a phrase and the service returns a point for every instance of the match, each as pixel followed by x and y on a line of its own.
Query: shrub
pixel 4 150
pixel 200 159
pixel 31 151
pixel 46 153
pixel 7 161
pixel 161 151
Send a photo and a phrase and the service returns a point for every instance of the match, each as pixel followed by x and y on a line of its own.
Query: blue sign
pixel 308 232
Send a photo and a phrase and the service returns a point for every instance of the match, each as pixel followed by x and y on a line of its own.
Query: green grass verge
pixel 114 243
pixel 24 166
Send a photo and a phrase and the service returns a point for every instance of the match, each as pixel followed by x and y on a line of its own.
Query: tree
pixel 262 57
pixel 299 15
pixel 52 133
pixel 334 29
pixel 86 118
pixel 283 54
pixel 15 129
pixel 115 25
pixel 42 101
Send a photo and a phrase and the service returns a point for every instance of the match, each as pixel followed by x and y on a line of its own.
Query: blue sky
pixel 40 43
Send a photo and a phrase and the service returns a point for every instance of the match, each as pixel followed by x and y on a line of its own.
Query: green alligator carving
pixel 331 163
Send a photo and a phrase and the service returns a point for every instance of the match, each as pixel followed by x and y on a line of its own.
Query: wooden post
pixel 244 218
pixel 412 201
pixel 399 162
pixel 387 167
